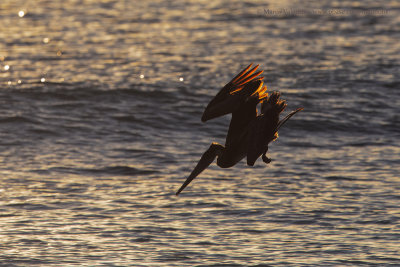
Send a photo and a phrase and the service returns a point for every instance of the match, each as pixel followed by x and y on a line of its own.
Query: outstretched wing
pixel 231 95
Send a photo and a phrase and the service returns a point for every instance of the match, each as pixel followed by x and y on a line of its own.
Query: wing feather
pixel 233 94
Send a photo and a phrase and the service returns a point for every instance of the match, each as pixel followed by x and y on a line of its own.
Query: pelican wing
pixel 261 133
pixel 246 111
pixel 231 95
pixel 264 128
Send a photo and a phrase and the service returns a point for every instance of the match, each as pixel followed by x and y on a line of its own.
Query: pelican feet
pixel 266 159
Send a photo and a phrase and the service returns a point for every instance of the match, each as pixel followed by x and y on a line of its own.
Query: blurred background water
pixel 100 106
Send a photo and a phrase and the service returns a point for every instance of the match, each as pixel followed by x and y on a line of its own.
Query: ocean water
pixel 100 107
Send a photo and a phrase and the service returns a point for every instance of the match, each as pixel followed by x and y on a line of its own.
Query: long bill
pixel 205 161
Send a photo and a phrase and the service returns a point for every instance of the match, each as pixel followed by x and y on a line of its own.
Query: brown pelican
pixel 249 132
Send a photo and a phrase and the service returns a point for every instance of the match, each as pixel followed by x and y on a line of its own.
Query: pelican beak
pixel 205 160
pixel 186 183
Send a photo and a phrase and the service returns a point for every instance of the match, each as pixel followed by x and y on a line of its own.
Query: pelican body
pixel 249 132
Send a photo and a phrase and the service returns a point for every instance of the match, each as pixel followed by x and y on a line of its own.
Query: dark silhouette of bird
pixel 249 132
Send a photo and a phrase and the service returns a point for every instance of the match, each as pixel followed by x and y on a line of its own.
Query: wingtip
pixel 249 76
pixel 240 74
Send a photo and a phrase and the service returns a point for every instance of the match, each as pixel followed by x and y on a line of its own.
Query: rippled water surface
pixel 100 107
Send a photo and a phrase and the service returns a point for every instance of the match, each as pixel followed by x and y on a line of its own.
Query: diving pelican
pixel 249 132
